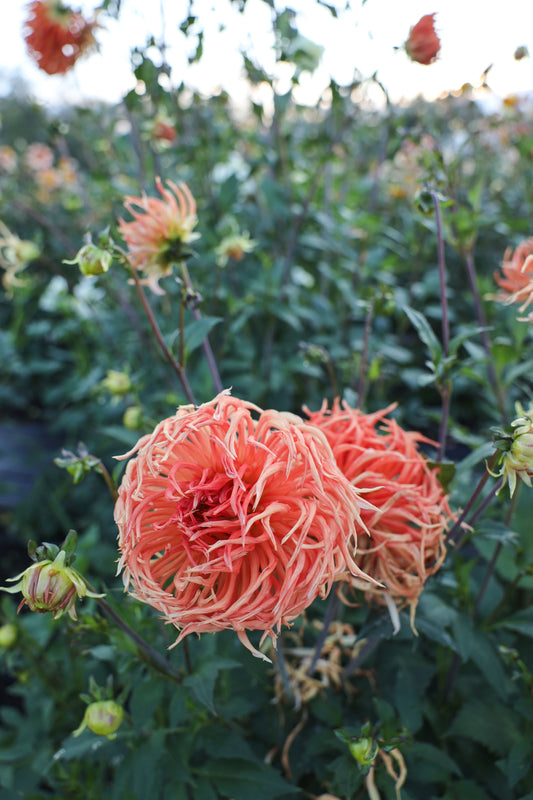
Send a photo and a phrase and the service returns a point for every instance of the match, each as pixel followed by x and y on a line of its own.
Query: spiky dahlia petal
pixel 409 513
pixel 233 517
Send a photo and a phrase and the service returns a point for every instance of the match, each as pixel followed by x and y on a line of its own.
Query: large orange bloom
pixel 423 43
pixel 158 235
pixel 56 36
pixel 410 510
pixel 517 279
pixel 226 521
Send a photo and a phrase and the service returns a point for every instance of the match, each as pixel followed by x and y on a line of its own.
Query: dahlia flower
pixel 56 36
pixel 423 43
pixel 409 513
pixel 158 236
pixel 517 279
pixel 231 522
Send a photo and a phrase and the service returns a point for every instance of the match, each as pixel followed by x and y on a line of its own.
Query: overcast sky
pixel 473 35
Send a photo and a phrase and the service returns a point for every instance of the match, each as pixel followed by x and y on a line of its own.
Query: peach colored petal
pixel 56 36
pixel 409 514
pixel 233 517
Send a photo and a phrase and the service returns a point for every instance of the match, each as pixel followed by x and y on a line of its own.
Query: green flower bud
pixel 363 750
pixel 8 636
pixel 92 260
pixel 50 586
pixel 132 418
pixel 118 383
pixel 102 718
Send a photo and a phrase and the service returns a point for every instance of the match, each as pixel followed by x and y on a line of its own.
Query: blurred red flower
pixel 517 279
pixel 158 236
pixel 423 43
pixel 409 513
pixel 231 522
pixel 56 36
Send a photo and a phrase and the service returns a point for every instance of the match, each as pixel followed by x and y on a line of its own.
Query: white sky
pixel 472 32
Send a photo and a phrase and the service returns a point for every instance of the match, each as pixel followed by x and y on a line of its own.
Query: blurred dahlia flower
pixel 410 512
pixel 423 43
pixel 516 445
pixel 227 522
pixel 56 36
pixel 158 236
pixel 517 279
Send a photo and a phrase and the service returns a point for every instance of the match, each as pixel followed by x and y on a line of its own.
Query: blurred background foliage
pixel 335 209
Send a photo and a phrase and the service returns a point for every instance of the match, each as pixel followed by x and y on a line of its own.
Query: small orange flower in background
pixel 231 522
pixel 423 43
pixel 410 510
pixel 517 279
pixel 56 36
pixel 158 236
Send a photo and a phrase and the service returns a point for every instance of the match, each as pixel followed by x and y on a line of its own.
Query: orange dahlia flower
pixel 517 279
pixel 56 36
pixel 423 43
pixel 158 235
pixel 409 513
pixel 226 521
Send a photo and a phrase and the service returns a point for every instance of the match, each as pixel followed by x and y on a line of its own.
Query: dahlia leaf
pixel 202 681
pixel 425 332
pixel 196 331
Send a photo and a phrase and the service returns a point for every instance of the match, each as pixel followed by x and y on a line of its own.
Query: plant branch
pixel 210 357
pixel 445 388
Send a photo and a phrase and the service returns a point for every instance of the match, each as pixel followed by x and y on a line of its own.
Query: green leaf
pixel 202 681
pixel 425 332
pixel 476 645
pixel 197 330
pixel 145 700
pixel 420 754
pixel 518 762
pixel 243 780
pixel 488 722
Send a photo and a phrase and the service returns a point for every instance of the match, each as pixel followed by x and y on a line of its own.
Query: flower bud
pixel 363 750
pixel 118 383
pixel 8 636
pixel 103 718
pixel 51 586
pixel 233 248
pixel 92 260
pixel 132 418
pixel 516 444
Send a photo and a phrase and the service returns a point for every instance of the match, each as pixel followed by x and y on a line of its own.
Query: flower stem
pixel 445 388
pixel 110 483
pixel 362 385
pixel 155 658
pixel 497 550
pixel 208 352
pixel 480 314
pixel 484 478
pixel 178 368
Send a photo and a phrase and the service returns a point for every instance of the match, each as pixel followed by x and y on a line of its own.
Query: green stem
pixel 445 389
pixel 477 491
pixel 178 368
pixel 155 658
pixel 210 357
pixel 110 483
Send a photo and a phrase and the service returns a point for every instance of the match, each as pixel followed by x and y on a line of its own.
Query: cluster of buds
pixel 51 584
pixel 515 442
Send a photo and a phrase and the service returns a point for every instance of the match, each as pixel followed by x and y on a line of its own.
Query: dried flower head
pixel 410 510
pixel 56 36
pixel 517 279
pixel 159 235
pixel 423 43
pixel 226 521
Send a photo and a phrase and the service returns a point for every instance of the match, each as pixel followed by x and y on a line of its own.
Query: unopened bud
pixel 132 418
pixel 363 750
pixel 8 636
pixel 50 586
pixel 102 718
pixel 118 383
pixel 92 260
